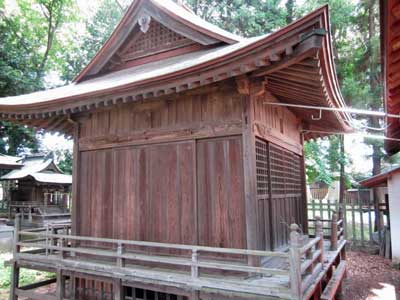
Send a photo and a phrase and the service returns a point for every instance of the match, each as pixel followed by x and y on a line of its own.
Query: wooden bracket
pixel 243 85
pixel 307 48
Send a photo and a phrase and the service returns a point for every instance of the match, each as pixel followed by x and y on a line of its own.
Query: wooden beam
pixel 334 284
pixel 307 76
pixel 289 79
pixel 307 48
pixel 249 167
pixel 290 88
pixel 38 284
pixel 293 85
pixel 143 137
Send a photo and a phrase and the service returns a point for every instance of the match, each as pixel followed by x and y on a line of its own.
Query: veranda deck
pixel 299 273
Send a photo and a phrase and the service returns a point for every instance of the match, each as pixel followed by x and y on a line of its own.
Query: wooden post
pixel 60 292
pixel 15 267
pixel 120 260
pixel 319 231
pixel 61 243
pixel 334 231
pixel 72 286
pixel 246 89
pixel 118 290
pixel 47 239
pixel 194 295
pixel 53 241
pixel 295 262
pixel 17 229
pixel 30 214
pixel 195 268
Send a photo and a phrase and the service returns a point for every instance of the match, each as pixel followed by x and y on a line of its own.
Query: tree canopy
pixel 30 47
pixel 42 37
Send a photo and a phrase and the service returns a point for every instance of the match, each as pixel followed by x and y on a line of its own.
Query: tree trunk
pixel 374 121
pixel 289 10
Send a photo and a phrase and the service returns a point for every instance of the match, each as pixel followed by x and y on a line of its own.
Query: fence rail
pixel 358 225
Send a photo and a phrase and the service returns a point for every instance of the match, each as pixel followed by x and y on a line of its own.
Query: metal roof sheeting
pixel 11 162
pixel 126 76
pixel 44 177
pixel 41 168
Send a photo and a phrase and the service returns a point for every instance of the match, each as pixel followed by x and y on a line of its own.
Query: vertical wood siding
pixel 139 193
pixel 188 192
pixel 221 218
pixel 150 193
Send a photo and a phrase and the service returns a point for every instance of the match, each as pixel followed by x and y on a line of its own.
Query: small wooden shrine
pixel 38 189
pixel 188 163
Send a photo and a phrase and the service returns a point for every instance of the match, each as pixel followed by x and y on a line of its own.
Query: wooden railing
pixel 305 257
pixel 334 228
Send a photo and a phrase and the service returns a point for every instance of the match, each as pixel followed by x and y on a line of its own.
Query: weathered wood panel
pixel 221 193
pixel 276 124
pixel 218 104
pixel 152 191
pixel 140 193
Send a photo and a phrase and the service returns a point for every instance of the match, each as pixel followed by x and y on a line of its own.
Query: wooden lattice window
pixel 262 168
pixel 156 39
pixel 285 171
pixel 279 193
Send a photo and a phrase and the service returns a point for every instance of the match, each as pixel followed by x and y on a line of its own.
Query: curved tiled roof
pixel 296 61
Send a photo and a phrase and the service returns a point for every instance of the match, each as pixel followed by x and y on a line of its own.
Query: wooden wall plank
pixel 220 193
pixel 140 193
pixel 185 110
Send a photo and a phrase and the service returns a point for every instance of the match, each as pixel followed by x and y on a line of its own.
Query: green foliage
pixel 15 139
pixel 26 276
pixel 355 41
pixel 244 17
pixel 323 159
pixel 317 168
pixel 29 47
pixel 98 29
pixel 64 160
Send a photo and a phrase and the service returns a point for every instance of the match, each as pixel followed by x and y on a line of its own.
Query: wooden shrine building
pixel 186 169
pixel 390 53
pixel 38 190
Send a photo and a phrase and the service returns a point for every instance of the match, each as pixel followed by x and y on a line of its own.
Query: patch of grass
pixel 26 276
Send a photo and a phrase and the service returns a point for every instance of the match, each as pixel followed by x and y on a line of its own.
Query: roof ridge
pixel 170 14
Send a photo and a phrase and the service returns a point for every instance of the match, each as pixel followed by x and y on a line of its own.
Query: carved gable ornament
pixel 144 22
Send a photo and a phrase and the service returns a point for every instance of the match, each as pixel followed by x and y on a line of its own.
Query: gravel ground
pixel 371 277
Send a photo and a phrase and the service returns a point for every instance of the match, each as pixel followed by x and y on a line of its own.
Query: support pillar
pixel 60 292
pixel 118 290
pixel 15 268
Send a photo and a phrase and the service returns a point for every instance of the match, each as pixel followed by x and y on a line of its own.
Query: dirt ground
pixel 370 277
